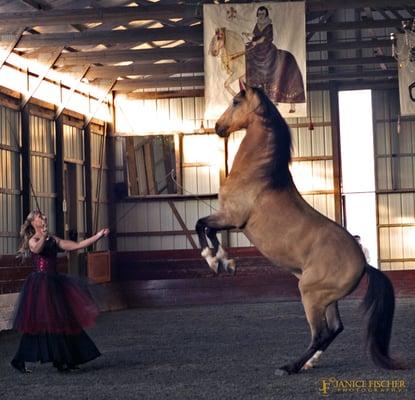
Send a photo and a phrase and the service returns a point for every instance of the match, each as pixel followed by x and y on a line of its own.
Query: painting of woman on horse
pixel 271 54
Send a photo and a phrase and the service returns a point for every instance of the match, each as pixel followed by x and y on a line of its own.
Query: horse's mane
pixel 279 172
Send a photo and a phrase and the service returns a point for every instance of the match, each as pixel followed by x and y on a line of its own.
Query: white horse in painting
pixel 230 47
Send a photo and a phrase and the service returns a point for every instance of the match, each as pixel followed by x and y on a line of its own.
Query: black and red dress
pixel 52 311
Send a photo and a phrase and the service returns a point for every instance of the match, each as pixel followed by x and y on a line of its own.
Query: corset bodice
pixel 45 261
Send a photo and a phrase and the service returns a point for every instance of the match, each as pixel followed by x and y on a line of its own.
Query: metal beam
pixel 88 15
pixel 129 85
pixel 91 37
pixel 11 46
pixel 97 72
pixel 167 94
pixel 99 102
pixel 351 61
pixel 71 92
pixel 342 26
pixel 140 56
pixel 358 44
pixel 352 75
pixel 27 97
pixel 324 5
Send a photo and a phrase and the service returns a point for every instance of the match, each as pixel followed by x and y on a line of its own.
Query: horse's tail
pixel 379 305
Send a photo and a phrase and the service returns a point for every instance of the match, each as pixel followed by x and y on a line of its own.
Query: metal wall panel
pixel 201 163
pixel 74 152
pixel 395 180
pixel 10 182
pixel 42 166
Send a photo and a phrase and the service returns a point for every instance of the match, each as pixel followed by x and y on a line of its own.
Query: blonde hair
pixel 26 233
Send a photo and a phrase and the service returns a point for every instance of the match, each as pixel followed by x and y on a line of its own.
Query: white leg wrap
pixel 228 264
pixel 221 253
pixel 313 360
pixel 212 261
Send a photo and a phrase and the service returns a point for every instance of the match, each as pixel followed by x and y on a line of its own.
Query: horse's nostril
pixel 221 130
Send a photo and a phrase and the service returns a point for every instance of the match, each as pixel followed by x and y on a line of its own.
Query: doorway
pixel 358 168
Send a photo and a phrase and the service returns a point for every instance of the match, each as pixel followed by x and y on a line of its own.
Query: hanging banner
pixel 406 75
pixel 260 43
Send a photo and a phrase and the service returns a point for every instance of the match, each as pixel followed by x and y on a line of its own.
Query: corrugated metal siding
pixel 74 152
pixel 203 157
pixel 42 166
pixel 10 181
pixel 395 183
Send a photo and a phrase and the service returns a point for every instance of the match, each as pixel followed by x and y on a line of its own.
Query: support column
pixel 88 180
pixel 59 178
pixel 26 179
pixel 335 133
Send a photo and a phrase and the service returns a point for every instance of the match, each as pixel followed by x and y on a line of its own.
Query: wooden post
pixel 335 132
pixel 59 176
pixel 132 166
pixel 110 156
pixel 178 150
pixel 26 207
pixel 88 179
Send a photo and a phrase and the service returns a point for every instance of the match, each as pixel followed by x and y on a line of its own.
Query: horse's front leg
pixel 207 228
pixel 228 82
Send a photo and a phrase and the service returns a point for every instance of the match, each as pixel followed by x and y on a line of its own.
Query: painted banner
pixel 261 43
pixel 406 75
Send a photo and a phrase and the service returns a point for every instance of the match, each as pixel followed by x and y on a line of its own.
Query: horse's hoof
pixel 308 365
pixel 231 267
pixel 214 265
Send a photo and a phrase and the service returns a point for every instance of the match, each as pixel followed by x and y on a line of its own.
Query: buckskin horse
pixel 260 198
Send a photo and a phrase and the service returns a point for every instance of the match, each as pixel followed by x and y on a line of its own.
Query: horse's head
pixel 217 42
pixel 239 114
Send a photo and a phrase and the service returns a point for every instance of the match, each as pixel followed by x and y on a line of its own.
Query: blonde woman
pixel 53 308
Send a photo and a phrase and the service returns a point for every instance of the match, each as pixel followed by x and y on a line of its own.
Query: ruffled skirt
pixel 52 303
pixel 58 348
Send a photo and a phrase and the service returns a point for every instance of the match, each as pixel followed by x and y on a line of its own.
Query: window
pixel 150 161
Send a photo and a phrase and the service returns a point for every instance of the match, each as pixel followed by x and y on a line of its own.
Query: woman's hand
pixel 44 227
pixel 102 232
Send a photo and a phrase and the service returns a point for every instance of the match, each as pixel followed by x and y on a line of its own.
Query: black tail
pixel 379 305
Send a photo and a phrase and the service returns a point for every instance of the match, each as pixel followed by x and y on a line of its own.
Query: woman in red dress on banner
pixel 274 70
pixel 53 308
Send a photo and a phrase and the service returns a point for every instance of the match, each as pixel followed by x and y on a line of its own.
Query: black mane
pixel 279 172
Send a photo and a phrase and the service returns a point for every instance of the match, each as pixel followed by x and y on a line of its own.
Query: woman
pixel 274 70
pixel 53 308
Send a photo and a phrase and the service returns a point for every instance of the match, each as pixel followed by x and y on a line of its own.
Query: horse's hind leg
pixel 207 227
pixel 221 255
pixel 315 310
pixel 335 327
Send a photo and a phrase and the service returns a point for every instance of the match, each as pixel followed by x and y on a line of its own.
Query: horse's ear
pixel 242 85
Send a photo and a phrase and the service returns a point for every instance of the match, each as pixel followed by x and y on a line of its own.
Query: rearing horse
pixel 260 198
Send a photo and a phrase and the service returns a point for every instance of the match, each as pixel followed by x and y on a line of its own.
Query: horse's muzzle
pixel 221 130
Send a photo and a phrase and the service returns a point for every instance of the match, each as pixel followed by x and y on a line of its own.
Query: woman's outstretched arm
pixel 70 245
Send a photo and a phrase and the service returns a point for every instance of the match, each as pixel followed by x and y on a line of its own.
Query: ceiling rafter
pixel 179 53
pixel 113 37
pixel 89 15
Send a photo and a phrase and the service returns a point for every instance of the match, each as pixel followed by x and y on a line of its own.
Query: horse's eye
pixel 235 102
